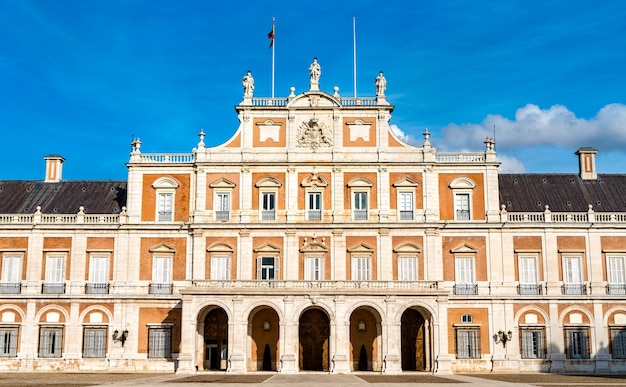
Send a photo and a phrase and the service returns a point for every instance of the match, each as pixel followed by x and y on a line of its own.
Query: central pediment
pixel 314 99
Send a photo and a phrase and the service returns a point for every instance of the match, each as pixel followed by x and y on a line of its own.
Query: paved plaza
pixel 307 379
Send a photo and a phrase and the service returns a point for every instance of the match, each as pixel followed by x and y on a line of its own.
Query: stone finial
pixel 426 139
pixel 135 145
pixel 336 90
pixel 490 144
pixel 201 135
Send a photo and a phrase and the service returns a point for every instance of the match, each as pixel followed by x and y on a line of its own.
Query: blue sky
pixel 81 78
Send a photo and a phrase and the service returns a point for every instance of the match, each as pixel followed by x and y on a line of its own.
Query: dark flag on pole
pixel 270 35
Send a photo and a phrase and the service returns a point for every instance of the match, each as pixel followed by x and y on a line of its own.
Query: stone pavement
pixel 307 379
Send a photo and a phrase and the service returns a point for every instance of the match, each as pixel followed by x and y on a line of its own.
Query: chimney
pixel 587 163
pixel 54 168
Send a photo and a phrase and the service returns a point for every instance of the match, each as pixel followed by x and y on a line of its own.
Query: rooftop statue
pixel 381 84
pixel 315 71
pixel 248 84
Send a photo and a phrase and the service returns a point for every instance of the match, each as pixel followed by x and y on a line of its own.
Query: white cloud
pixel 510 165
pixel 534 127
pixel 409 139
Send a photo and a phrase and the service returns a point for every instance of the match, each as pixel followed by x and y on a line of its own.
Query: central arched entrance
pixel 263 331
pixel 314 334
pixel 216 340
pixel 365 333
pixel 415 339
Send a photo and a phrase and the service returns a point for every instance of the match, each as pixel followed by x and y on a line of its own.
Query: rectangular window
pixel 577 343
pixel 268 206
pixel 361 268
pixel 314 206
pixel 50 342
pixel 165 207
pixel 222 206
pixel 528 276
pixel 406 205
pixel 616 275
pixel 360 206
pixel 462 206
pixel 11 274
pixel 8 341
pixel 532 343
pixel 98 274
pixel 267 268
pixel 468 343
pixel 313 268
pixel 219 268
pixel 407 269
pixel 618 342
pixel 572 276
pixel 465 279
pixel 161 275
pixel 94 342
pixel 55 275
pixel 160 343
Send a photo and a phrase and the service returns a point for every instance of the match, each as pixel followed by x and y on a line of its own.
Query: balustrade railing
pixel 330 285
pixel 460 157
pixel 167 158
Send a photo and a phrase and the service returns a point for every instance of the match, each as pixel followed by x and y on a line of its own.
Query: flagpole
pixel 273 52
pixel 354 51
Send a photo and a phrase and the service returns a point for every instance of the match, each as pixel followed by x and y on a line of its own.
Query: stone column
pixel 187 362
pixel 340 338
pixel 337 192
pixel 442 356
pixel 600 338
pixel 289 338
pixel 555 341
pixel 237 334
pixel 392 337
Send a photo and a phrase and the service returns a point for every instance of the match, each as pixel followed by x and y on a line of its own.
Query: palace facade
pixel 315 239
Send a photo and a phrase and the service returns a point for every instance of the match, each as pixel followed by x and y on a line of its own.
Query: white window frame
pixel 314 268
pixel 528 269
pixel 313 213
pixel 361 267
pixel 532 342
pixel 94 342
pixel 99 268
pixel 462 187
pixel 467 342
pixel 268 187
pixel 616 274
pixel 162 268
pixel 220 267
pixel 9 337
pixel 55 268
pixel 573 274
pixel 361 209
pixel 459 208
pixel 265 270
pixel 407 268
pixel 50 341
pixel 159 342
pixel 165 187
pixel 465 269
pixel 12 268
pixel 406 208
pixel 577 342
pixel 222 205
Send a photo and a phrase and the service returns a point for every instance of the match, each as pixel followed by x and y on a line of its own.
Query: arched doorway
pixel 263 330
pixel 314 334
pixel 415 339
pixel 216 340
pixel 365 333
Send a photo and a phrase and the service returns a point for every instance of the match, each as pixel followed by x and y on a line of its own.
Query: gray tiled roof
pixel 525 192
pixel 98 197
